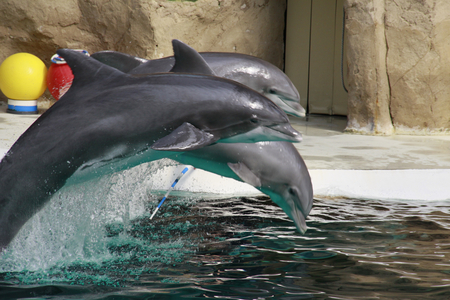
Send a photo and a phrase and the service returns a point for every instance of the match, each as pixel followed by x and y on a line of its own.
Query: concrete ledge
pixel 428 185
pixel 424 184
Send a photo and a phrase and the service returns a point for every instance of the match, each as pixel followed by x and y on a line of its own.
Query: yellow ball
pixel 22 77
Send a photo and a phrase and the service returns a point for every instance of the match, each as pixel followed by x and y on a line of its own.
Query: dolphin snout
pixel 297 109
pixel 289 107
pixel 288 131
pixel 299 219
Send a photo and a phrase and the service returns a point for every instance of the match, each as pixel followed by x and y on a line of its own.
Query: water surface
pixel 97 242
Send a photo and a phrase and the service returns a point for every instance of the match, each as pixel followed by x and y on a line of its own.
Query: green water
pixel 238 248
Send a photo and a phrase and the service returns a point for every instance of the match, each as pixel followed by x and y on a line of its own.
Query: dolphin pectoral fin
pixel 245 174
pixel 186 137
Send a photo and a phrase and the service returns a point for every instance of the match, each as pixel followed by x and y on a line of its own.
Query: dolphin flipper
pixel 245 173
pixel 184 138
pixel 188 60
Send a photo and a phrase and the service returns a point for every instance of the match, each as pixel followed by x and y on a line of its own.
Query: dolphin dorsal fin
pixel 187 60
pixel 87 71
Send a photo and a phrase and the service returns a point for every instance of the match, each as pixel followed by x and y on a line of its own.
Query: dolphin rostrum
pixel 254 72
pixel 109 116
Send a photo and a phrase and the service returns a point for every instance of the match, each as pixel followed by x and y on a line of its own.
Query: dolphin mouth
pixel 286 131
pixel 297 109
pixel 277 133
pixel 289 106
pixel 299 220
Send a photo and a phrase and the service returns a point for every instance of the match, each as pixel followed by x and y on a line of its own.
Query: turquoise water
pixel 96 242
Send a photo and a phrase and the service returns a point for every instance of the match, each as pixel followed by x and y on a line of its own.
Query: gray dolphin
pixel 109 116
pixel 275 168
pixel 254 72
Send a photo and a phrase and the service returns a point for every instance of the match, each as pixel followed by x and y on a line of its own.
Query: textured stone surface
pixel 399 65
pixel 143 28
pixel 368 88
pixel 398 51
pixel 418 64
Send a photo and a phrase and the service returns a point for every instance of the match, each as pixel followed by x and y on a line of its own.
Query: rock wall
pixel 143 28
pixel 418 63
pixel 368 86
pixel 399 66
pixel 398 51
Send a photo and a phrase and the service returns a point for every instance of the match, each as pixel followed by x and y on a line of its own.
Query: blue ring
pixel 22 108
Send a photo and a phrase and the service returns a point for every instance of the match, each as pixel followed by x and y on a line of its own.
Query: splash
pixel 84 230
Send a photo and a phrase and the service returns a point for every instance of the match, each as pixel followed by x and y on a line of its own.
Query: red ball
pixel 59 79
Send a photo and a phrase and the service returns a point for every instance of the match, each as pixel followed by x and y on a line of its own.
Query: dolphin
pixel 274 168
pixel 254 72
pixel 108 116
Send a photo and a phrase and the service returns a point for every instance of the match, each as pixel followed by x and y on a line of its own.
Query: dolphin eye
pixel 272 91
pixel 254 120
pixel 292 192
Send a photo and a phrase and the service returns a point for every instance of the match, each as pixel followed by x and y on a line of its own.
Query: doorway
pixel 315 60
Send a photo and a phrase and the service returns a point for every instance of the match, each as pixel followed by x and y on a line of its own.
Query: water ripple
pixel 239 248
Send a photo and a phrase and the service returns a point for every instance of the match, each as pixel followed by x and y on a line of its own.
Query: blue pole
pixel 169 190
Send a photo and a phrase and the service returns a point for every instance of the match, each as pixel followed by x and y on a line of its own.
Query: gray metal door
pixel 314 54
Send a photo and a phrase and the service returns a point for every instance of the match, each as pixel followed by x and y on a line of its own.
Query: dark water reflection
pixel 247 249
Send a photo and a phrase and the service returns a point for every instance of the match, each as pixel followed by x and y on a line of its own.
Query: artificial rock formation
pixel 399 66
pixel 418 64
pixel 397 50
pixel 368 87
pixel 143 28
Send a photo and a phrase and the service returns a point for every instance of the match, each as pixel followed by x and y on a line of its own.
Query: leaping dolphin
pixel 110 116
pixel 275 168
pixel 254 72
